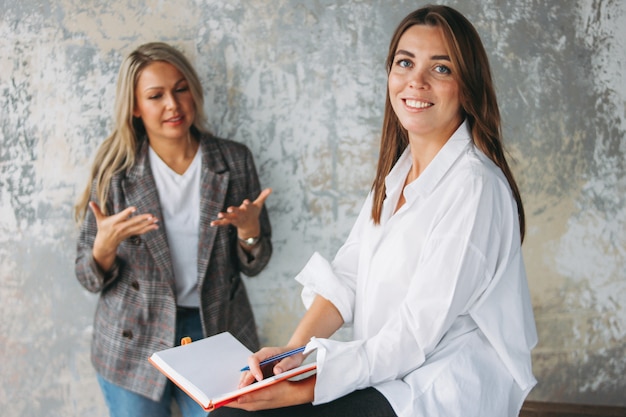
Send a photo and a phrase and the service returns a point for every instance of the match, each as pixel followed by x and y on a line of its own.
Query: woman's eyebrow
pixel 412 55
pixel 159 87
pixel 403 52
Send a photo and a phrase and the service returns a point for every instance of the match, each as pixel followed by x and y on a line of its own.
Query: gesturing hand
pixel 245 217
pixel 113 229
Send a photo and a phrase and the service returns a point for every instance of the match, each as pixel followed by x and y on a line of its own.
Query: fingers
pixel 246 379
pixel 97 212
pixel 95 208
pixel 254 363
pixel 139 224
pixel 260 200
pixel 113 229
pixel 122 226
pixel 257 400
pixel 222 220
pixel 288 363
pixel 119 226
pixel 282 394
pixel 246 215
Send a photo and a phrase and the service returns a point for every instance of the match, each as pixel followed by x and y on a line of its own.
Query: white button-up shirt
pixel 436 293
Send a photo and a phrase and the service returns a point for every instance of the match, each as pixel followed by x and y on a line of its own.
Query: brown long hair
pixel 477 97
pixel 117 152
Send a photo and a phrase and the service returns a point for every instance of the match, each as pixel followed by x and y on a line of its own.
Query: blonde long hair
pixel 477 95
pixel 117 152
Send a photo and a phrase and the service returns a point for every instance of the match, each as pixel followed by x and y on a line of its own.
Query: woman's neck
pixel 424 148
pixel 422 154
pixel 177 155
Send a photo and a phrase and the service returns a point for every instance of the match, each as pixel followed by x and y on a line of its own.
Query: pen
pixel 277 357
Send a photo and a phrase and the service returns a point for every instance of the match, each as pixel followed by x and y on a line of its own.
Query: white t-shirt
pixel 437 293
pixel 179 196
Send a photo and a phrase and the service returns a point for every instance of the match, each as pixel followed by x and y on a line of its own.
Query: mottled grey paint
pixel 302 83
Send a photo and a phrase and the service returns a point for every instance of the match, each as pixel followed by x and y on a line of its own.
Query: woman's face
pixel 423 93
pixel 164 102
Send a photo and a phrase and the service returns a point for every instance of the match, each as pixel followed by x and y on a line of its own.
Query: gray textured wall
pixel 302 83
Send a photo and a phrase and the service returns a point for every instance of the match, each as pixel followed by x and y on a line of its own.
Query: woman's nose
pixel 171 102
pixel 418 79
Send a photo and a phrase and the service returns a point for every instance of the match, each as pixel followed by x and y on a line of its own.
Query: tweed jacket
pixel 136 310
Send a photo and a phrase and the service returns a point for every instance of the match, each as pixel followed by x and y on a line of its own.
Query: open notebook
pixel 208 370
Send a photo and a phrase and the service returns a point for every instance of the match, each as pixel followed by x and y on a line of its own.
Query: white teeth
pixel 417 104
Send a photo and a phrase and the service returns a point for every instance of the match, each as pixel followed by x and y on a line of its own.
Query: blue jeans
pixel 124 403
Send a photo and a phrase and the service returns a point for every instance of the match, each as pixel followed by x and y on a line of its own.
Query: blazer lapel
pixel 213 189
pixel 141 192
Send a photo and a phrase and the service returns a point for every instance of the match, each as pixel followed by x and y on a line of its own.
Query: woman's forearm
pixel 322 319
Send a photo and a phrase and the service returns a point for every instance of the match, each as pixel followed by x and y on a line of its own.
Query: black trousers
pixel 368 402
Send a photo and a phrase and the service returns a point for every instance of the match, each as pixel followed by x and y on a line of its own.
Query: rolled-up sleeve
pixel 337 281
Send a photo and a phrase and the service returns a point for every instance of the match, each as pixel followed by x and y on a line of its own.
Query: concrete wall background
pixel 302 83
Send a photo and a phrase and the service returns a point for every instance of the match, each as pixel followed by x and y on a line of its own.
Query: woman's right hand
pixel 114 229
pixel 257 373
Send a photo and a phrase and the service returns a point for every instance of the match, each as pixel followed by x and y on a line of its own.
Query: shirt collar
pixel 434 172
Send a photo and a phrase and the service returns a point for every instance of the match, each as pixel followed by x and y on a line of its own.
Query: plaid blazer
pixel 136 311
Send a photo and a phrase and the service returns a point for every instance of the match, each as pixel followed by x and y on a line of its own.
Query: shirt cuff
pixel 342 367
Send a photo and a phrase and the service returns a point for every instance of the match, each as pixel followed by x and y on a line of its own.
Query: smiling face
pixel 164 102
pixel 422 90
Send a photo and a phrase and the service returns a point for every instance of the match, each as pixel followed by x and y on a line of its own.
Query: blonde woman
pixel 169 219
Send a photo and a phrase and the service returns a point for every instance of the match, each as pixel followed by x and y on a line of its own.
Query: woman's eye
pixel 182 89
pixel 403 63
pixel 155 97
pixel 442 69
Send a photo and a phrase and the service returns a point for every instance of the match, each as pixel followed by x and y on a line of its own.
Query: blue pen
pixel 277 357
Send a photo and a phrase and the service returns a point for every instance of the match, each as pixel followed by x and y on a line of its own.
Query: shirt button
pixel 135 240
pixel 135 285
pixel 128 334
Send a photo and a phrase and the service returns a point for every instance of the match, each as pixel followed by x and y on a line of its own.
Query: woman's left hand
pixel 282 394
pixel 245 217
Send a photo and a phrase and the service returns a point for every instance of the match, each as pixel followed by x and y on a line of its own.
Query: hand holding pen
pixel 277 357
pixel 259 370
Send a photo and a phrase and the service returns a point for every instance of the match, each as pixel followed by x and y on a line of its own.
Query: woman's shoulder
pixel 476 167
pixel 475 183
pixel 220 153
pixel 227 145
